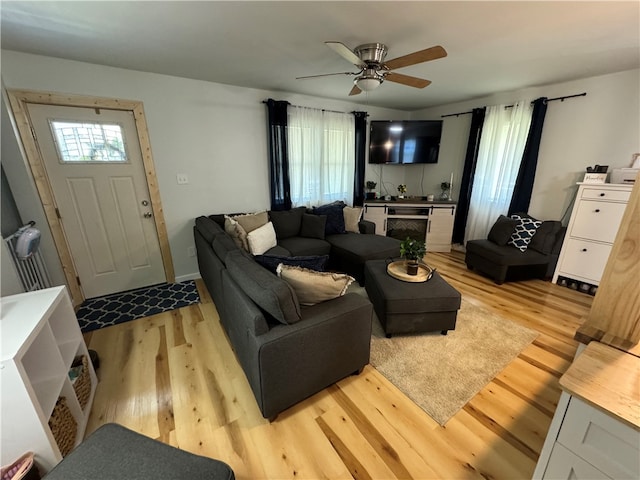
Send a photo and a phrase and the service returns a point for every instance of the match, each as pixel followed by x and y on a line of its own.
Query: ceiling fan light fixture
pixel 367 83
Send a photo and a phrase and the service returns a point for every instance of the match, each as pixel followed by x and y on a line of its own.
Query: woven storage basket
pixel 63 426
pixel 82 385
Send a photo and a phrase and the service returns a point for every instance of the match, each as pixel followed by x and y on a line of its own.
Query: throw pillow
pixel 270 293
pixel 287 222
pixel 312 262
pixel 314 287
pixel 313 226
pixel 236 232
pixel 352 216
pixel 335 217
pixel 524 232
pixel 262 239
pixel 251 221
pixel 502 230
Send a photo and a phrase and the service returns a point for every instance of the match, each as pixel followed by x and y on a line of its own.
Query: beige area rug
pixel 441 373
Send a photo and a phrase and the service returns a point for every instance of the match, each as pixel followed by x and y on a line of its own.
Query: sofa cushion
pixel 524 232
pixel 352 216
pixel 262 239
pixel 313 287
pixel 312 262
pixel 335 217
pixel 251 221
pixel 299 246
pixel 545 237
pixel 502 230
pixel 505 255
pixel 208 228
pixel 313 226
pixel 287 223
pixel 270 293
pixel 223 244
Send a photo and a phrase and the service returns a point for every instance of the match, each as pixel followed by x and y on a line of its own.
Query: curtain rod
pixel 562 99
pixel 321 109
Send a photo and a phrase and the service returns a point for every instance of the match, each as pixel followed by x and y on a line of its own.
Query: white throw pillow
pixel 262 239
pixel 352 216
pixel 313 287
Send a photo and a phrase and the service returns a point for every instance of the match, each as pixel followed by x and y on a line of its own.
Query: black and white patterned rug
pixel 123 307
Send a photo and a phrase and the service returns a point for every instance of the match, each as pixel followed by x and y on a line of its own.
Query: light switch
pixel 182 178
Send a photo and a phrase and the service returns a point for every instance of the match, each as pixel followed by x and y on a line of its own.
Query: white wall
pixel 601 128
pixel 216 134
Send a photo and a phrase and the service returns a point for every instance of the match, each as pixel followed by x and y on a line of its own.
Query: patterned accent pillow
pixel 524 232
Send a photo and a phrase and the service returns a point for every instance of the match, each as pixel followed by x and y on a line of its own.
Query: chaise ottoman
pixel 404 307
pixel 115 452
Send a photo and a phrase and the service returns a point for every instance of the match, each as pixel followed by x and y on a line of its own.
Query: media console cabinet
pixel 431 221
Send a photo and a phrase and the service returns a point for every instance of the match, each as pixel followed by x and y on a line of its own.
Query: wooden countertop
pixel 608 379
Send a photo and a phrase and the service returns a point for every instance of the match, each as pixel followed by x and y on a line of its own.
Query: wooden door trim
pixel 18 100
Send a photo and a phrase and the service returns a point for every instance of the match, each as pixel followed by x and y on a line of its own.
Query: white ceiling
pixel 492 46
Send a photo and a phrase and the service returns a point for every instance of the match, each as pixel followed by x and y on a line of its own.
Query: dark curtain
pixel 468 172
pixel 278 157
pixel 526 174
pixel 361 147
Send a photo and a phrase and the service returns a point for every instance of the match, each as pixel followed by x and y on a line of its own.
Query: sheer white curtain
pixel 504 135
pixel 321 156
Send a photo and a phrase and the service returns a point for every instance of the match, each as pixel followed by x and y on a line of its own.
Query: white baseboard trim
pixel 189 276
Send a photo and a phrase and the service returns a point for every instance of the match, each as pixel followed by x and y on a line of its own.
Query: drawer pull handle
pixel 597 210
pixel 602 194
pixel 584 249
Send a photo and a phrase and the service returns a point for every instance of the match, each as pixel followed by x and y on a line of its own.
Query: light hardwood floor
pixel 174 377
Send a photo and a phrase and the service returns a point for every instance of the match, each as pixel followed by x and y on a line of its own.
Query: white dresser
pixel 433 220
pixel 40 339
pixel 595 432
pixel 592 229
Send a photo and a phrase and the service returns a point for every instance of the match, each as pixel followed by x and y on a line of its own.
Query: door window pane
pixel 88 142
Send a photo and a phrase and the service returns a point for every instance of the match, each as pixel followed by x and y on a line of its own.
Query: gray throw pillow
pixel 313 226
pixel 270 293
pixel 502 230
pixel 287 223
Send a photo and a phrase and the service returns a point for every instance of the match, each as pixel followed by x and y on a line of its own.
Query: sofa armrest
pixel 365 226
pixel 296 361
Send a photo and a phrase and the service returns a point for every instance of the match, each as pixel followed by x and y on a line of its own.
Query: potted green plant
pixel 402 189
pixel 412 251
pixel 445 186
pixel 371 195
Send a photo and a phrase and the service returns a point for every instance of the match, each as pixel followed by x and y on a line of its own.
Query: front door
pixel 94 164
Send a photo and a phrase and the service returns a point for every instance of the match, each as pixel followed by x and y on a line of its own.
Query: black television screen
pixel 404 141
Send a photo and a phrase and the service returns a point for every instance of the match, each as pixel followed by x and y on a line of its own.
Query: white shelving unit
pixel 40 337
pixel 592 229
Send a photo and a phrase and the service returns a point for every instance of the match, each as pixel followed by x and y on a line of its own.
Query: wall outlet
pixel 191 251
pixel 182 178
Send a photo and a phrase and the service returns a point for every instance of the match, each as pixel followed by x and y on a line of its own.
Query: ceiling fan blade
pixel 425 55
pixel 355 91
pixel 407 80
pixel 346 53
pixel 328 74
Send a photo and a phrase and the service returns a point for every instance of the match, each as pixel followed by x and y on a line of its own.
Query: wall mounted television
pixel 402 142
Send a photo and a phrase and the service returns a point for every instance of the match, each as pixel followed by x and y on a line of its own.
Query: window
pixel 321 156
pixel 504 136
pixel 88 142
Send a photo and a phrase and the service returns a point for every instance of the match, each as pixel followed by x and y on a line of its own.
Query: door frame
pixel 19 99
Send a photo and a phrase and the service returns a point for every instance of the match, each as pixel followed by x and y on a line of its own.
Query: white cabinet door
pixel 598 221
pixel 585 260
pixel 440 229
pixel 565 465
pixel 378 215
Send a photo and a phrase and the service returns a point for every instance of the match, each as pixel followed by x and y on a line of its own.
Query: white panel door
pixel 94 165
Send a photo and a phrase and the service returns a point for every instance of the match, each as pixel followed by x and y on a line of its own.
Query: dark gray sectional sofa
pixel 287 351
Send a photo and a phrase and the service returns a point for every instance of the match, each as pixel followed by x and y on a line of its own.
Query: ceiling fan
pixel 370 59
